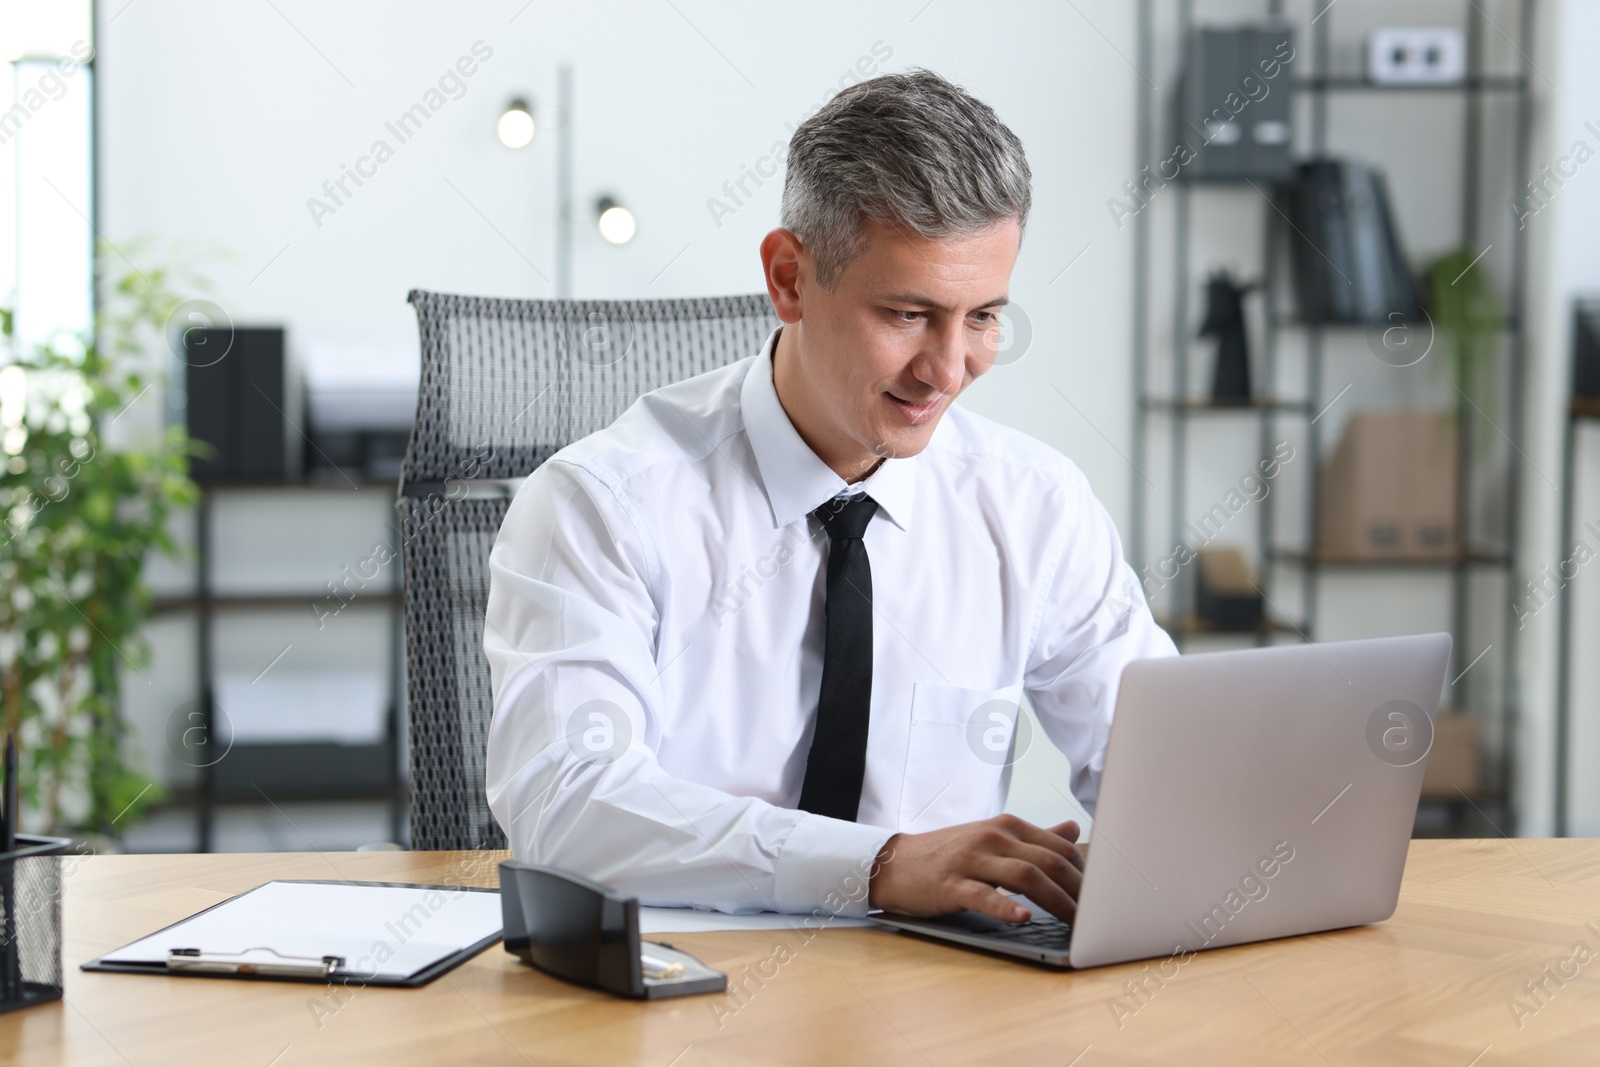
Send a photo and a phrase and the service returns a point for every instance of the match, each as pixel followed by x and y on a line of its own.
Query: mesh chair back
pixel 505 385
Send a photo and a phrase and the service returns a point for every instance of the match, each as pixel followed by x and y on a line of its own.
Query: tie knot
pixel 846 516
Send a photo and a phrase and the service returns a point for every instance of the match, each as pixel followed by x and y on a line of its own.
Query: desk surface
pixel 1437 984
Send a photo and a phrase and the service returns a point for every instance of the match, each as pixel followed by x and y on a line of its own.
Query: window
pixel 47 168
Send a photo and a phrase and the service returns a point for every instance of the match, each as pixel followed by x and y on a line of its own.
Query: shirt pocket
pixel 959 754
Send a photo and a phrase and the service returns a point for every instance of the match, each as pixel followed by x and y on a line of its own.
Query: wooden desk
pixel 1477 919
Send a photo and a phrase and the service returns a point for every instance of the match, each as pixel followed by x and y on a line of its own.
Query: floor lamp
pixel 516 130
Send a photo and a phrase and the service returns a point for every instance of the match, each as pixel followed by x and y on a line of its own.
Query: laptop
pixel 1245 796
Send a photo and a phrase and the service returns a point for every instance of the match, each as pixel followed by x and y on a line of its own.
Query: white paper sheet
pixel 381 931
pixel 693 921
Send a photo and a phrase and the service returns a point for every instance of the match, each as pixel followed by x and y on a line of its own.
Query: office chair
pixel 505 385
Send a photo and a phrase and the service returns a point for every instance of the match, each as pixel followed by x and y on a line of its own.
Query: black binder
pixel 1348 263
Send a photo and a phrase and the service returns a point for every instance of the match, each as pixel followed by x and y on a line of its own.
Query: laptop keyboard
pixel 1042 932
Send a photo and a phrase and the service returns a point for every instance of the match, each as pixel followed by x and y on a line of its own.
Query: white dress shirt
pixel 655 633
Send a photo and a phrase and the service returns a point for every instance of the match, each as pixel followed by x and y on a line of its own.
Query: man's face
pixel 910 323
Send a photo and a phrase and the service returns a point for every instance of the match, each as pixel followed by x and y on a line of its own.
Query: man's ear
pixel 782 258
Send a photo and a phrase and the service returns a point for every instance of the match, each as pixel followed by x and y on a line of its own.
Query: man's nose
pixel 943 361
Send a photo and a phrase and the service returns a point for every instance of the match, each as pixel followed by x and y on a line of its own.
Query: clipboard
pixel 244 927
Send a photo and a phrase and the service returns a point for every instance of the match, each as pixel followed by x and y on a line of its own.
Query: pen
pixel 192 959
pixel 655 967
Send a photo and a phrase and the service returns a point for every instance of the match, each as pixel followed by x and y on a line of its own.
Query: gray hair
pixel 907 149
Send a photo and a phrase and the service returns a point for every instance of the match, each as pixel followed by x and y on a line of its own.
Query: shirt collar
pixel 796 480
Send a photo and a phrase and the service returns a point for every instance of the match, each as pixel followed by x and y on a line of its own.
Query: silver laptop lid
pixel 1257 794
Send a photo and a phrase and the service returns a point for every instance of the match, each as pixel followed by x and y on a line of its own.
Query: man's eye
pixel 907 316
pixel 985 318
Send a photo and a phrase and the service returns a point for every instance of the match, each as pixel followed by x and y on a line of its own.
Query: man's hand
pixel 966 866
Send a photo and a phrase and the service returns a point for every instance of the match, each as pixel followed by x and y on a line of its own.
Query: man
pixel 765 637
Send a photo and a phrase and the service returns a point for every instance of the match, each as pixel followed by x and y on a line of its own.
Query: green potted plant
pixel 1466 315
pixel 78 518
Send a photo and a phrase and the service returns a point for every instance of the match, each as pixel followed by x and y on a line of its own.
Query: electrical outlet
pixel 1416 55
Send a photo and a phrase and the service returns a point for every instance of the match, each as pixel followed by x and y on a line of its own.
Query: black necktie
pixel 838 759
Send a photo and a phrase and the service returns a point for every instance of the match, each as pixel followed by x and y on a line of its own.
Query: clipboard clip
pixel 194 960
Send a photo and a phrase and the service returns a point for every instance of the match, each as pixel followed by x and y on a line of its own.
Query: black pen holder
pixel 30 906
pixel 585 932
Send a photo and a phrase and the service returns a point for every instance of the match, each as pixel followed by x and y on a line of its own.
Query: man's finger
pixel 1064 871
pixel 1020 876
pixel 976 896
pixel 1069 830
pixel 1051 839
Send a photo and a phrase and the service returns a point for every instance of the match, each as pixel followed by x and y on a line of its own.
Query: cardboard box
pixel 1389 491
pixel 1453 760
pixel 1226 594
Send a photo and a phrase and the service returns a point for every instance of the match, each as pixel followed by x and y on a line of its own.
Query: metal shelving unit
pixel 1178 410
pixel 297 771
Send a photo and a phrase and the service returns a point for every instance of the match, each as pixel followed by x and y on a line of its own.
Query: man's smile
pixel 915 413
